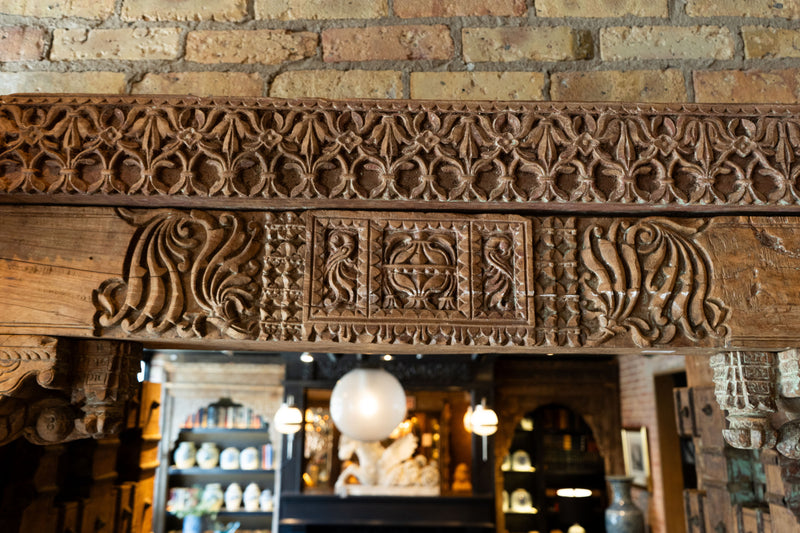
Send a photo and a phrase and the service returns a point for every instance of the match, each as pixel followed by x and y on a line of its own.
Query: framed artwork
pixel 637 456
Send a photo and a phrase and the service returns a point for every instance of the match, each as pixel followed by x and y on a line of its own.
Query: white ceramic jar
pixel 251 497
pixel 208 455
pixel 265 501
pixel 213 497
pixel 233 497
pixel 229 459
pixel 184 454
pixel 248 459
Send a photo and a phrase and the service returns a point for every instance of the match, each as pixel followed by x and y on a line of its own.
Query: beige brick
pixel 601 8
pixel 558 43
pixel 220 10
pixel 320 9
pixel 249 46
pixel 477 85
pixel 18 43
pixel 789 9
pixel 459 8
pixel 338 84
pixel 90 9
pixel 665 42
pixel 201 84
pixel 750 86
pixel 389 43
pixel 124 43
pixel 62 82
pixel 615 85
pixel 761 42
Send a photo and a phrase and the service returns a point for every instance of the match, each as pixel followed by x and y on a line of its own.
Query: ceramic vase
pixel 265 500
pixel 213 497
pixel 208 455
pixel 184 455
pixel 622 516
pixel 248 459
pixel 229 459
pixel 251 496
pixel 233 497
pixel 192 524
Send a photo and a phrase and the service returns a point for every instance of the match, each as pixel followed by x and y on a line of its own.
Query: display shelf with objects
pixel 553 475
pixel 229 446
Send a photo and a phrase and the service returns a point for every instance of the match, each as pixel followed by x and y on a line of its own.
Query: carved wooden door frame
pixel 408 226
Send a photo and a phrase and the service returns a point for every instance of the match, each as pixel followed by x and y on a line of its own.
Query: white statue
pixel 392 466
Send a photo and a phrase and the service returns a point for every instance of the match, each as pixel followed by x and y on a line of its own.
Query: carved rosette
pixel 420 279
pixel 746 387
pixel 281 303
pixel 650 279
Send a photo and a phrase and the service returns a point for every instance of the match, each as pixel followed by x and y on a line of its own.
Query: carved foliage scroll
pixel 186 271
pixel 420 278
pixel 648 278
pixel 268 150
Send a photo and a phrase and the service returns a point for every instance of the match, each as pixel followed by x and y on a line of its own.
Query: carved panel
pixel 420 279
pixel 265 151
pixel 187 273
pixel 558 311
pixel 650 279
pixel 283 277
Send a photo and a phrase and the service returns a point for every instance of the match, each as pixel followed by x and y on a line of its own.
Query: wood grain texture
pixel 410 280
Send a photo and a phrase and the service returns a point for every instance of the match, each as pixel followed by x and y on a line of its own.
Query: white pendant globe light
pixel 367 404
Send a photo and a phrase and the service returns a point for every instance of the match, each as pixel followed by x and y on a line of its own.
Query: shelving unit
pixel 223 438
pixel 563 454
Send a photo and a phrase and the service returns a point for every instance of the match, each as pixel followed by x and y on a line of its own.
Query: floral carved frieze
pixel 372 152
pixel 413 278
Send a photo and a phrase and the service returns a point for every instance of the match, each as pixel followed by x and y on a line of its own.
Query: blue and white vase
pixel 622 516
pixel 192 523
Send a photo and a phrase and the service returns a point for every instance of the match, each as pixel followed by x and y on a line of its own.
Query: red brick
pixel 459 8
pixel 21 43
pixel 390 43
pixel 750 86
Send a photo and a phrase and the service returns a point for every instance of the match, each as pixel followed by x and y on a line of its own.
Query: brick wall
pixel 647 50
pixel 638 408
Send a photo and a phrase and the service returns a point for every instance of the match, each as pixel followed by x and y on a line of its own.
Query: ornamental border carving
pixel 265 152
pixel 413 278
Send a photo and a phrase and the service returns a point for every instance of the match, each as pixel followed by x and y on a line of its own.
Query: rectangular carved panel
pixel 430 279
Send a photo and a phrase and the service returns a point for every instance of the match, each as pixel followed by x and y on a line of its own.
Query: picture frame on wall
pixel 636 455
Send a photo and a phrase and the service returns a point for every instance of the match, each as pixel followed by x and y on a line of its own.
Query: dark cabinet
pixel 553 476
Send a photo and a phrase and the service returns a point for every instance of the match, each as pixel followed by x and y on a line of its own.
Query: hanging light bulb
pixel 288 420
pixel 367 404
pixel 481 421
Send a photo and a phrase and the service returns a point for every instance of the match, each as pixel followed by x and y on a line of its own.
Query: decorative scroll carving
pixel 267 150
pixel 649 278
pixel 220 289
pixel 81 388
pixel 420 279
pixel 746 386
pixel 281 304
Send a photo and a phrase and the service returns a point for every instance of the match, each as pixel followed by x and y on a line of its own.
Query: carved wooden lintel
pixel 374 153
pixel 56 390
pixel 416 279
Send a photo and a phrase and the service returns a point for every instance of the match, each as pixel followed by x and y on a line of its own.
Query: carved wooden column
pixel 55 390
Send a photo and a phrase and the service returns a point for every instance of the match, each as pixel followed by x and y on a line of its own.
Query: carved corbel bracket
pixel 56 390
pixel 759 391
